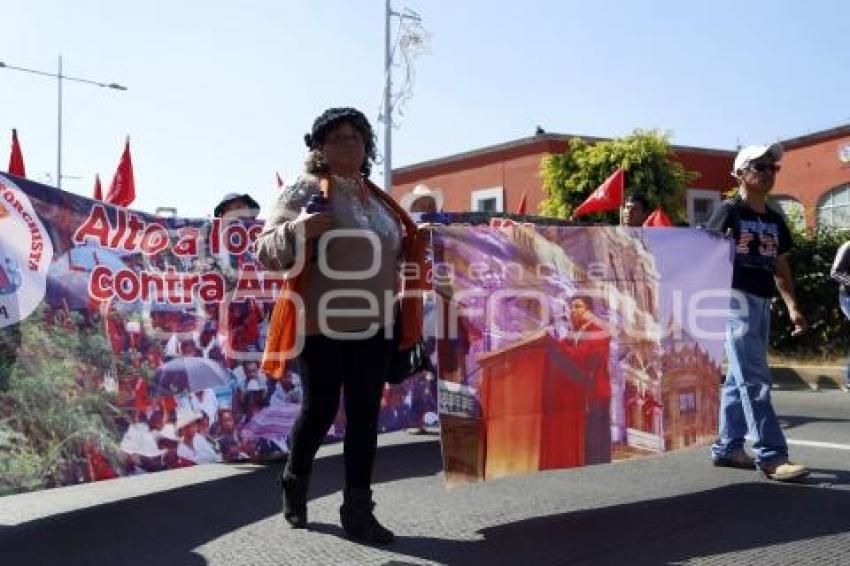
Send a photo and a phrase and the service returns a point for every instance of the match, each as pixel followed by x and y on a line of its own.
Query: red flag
pixel 16 159
pixel 98 191
pixel 521 208
pixel 657 219
pixel 607 196
pixel 279 180
pixel 122 191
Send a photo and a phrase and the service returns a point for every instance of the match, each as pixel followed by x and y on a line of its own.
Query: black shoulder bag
pixel 408 362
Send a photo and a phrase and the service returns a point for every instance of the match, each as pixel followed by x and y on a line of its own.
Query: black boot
pixel 358 521
pixel 294 499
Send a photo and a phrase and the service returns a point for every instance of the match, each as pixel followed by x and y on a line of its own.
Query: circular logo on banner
pixel 844 153
pixel 25 255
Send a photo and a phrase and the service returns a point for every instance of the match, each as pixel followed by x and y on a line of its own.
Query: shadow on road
pixel 793 421
pixel 166 527
pixel 662 531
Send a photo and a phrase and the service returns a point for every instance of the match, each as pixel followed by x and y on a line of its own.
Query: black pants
pixel 358 366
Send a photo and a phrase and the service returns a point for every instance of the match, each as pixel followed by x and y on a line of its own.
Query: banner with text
pixel 131 343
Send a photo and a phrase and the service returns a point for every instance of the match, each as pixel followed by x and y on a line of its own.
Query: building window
pixel 488 200
pixel 701 203
pixel 487 205
pixel 687 402
pixel 791 209
pixel 834 209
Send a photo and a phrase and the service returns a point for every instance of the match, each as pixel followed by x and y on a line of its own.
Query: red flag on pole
pixel 657 219
pixel 607 196
pixel 279 180
pixel 122 191
pixel 98 191
pixel 521 208
pixel 16 158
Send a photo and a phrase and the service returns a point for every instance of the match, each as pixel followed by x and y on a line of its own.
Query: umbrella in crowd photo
pixel 187 375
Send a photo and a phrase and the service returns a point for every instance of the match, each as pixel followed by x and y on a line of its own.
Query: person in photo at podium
pixel 587 344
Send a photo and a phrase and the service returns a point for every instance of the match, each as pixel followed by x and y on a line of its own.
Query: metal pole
pixel 59 129
pixel 59 79
pixel 388 111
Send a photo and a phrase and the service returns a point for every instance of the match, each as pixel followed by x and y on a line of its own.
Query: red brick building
pixel 815 177
pixel 494 178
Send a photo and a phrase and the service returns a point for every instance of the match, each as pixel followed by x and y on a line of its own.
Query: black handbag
pixel 408 362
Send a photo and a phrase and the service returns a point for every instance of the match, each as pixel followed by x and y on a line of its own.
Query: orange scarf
pixel 282 327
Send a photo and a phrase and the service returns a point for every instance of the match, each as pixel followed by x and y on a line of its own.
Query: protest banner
pixel 131 343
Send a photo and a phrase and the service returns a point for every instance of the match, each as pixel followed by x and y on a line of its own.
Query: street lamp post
pixel 59 78
pixel 388 93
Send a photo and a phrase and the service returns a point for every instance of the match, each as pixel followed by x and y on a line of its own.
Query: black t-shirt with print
pixel 759 239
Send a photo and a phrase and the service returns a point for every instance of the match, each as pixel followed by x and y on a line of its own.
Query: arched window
pixel 834 208
pixel 791 209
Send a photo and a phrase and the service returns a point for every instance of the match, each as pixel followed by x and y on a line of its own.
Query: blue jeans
pixel 844 302
pixel 745 397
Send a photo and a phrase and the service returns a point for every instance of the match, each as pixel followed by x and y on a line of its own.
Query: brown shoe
pixel 785 471
pixel 739 459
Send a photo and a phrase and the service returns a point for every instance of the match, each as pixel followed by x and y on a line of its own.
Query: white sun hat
pixel 186 416
pixel 140 440
pixel 421 191
pixel 169 432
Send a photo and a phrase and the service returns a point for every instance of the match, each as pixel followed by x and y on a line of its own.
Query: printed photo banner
pixel 130 343
pixel 563 346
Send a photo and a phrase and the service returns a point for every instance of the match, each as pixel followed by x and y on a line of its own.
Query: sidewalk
pixel 812 376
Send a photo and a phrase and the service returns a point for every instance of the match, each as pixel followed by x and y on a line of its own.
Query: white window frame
pixel 797 221
pixel 824 209
pixel 694 194
pixel 497 193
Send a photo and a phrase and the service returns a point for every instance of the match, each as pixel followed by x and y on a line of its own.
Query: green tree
pixel 49 408
pixel 817 294
pixel 647 158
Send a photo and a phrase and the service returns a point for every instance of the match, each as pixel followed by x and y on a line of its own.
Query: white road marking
pixel 815 444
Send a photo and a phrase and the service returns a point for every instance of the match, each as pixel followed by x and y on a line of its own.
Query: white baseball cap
pixel 753 152
pixel 422 191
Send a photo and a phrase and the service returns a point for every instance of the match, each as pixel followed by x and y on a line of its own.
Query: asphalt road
pixel 669 509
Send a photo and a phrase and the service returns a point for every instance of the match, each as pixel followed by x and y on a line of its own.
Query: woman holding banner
pixel 347 280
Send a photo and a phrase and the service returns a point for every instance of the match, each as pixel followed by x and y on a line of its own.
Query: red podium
pixel 534 408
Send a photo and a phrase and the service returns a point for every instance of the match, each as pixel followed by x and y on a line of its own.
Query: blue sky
pixel 221 93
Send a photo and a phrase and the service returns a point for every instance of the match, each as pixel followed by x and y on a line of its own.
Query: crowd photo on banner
pixel 138 327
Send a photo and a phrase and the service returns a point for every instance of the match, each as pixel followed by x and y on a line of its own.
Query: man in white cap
pixel 762 242
pixel 422 200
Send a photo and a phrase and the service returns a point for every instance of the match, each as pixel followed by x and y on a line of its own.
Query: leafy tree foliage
pixel 647 158
pixel 51 407
pixel 829 331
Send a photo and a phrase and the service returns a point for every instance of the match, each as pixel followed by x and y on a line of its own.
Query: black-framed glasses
pixel 765 167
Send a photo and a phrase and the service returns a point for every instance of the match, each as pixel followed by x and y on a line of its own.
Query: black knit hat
pixel 333 117
pixel 249 203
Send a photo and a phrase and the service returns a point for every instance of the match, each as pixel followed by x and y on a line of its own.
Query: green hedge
pixel 829 331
